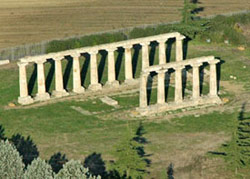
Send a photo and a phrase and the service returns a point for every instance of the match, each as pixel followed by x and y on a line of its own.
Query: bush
pixel 57 161
pixel 39 169
pixel 11 165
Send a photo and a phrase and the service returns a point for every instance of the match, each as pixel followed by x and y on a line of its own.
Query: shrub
pixel 11 165
pixel 39 169
pixel 57 161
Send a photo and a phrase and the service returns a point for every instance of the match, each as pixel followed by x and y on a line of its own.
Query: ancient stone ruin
pixel 112 82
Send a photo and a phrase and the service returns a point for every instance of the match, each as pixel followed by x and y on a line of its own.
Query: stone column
pixel 179 48
pixel 59 90
pixel 162 52
pixel 196 81
pixel 94 84
pixel 112 82
pixel 145 55
pixel 161 87
pixel 213 78
pixel 128 64
pixel 42 94
pixel 77 87
pixel 143 91
pixel 24 97
pixel 178 84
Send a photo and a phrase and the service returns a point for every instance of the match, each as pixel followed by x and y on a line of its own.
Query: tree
pixel 189 10
pixel 38 169
pixel 11 165
pixel 129 163
pixel 57 161
pixel 74 169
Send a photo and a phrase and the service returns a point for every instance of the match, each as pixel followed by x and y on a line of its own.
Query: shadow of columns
pixel 32 80
pixel 101 65
pixel 153 46
pixel 135 58
pixel 118 62
pixel 50 75
pixel 67 71
pixel 85 68
pixel 169 43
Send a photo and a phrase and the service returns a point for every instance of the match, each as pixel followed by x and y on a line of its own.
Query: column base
pixel 95 87
pixel 113 84
pixel 79 90
pixel 25 100
pixel 130 81
pixel 59 94
pixel 215 99
pixel 42 97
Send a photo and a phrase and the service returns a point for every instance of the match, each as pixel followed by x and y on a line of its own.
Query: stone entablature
pixel 92 51
pixel 179 101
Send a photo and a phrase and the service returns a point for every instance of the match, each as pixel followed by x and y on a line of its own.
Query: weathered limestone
pixel 162 52
pixel 196 81
pixel 179 48
pixel 24 97
pixel 59 90
pixel 161 87
pixel 42 95
pixel 178 84
pixel 112 82
pixel 77 87
pixel 94 84
pixel 143 91
pixel 213 78
pixel 109 101
pixel 128 64
pixel 145 55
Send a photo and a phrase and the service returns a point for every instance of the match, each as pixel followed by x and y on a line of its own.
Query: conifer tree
pixel 188 10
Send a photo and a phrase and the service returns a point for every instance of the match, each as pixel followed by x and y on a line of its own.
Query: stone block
pixel 109 101
pixel 25 100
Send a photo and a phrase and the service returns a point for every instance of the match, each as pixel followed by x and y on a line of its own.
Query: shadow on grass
pixel 135 59
pixel 101 65
pixel 32 80
pixel 152 51
pixel 50 75
pixel 67 71
pixel 85 67
pixel 170 43
pixel 170 171
pixel 95 164
pixel 118 62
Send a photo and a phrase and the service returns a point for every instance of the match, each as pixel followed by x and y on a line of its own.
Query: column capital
pixel 75 55
pixel 93 52
pixel 161 41
pixel 180 37
pixel 145 43
pixel 22 63
pixel 145 74
pixel 40 61
pixel 179 67
pixel 213 62
pixel 161 71
pixel 111 49
pixel 128 46
pixel 196 65
pixel 58 58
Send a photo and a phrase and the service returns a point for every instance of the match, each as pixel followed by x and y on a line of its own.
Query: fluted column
pixel 94 84
pixel 179 48
pixel 24 97
pixel 196 81
pixel 42 94
pixel 145 55
pixel 112 82
pixel 162 52
pixel 213 78
pixel 143 91
pixel 59 90
pixel 77 87
pixel 128 64
pixel 161 87
pixel 178 84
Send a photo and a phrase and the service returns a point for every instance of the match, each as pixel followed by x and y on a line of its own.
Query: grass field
pixel 183 140
pixel 32 21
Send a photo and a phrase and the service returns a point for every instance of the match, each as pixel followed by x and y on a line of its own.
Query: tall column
pixel 42 94
pixel 59 90
pixel 128 64
pixel 143 91
pixel 179 48
pixel 161 87
pixel 77 87
pixel 162 52
pixel 112 82
pixel 196 81
pixel 24 97
pixel 94 84
pixel 145 55
pixel 213 78
pixel 178 84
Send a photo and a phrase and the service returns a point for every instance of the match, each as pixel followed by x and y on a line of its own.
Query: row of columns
pixel 178 84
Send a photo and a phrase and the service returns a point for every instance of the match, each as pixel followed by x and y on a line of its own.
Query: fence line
pixel 14 53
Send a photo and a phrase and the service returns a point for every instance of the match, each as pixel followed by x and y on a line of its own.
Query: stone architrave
pixel 59 90
pixel 179 48
pixel 196 81
pixel 128 64
pixel 145 55
pixel 41 95
pixel 213 78
pixel 162 52
pixel 143 91
pixel 77 87
pixel 178 84
pixel 112 82
pixel 94 84
pixel 24 97
pixel 161 87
